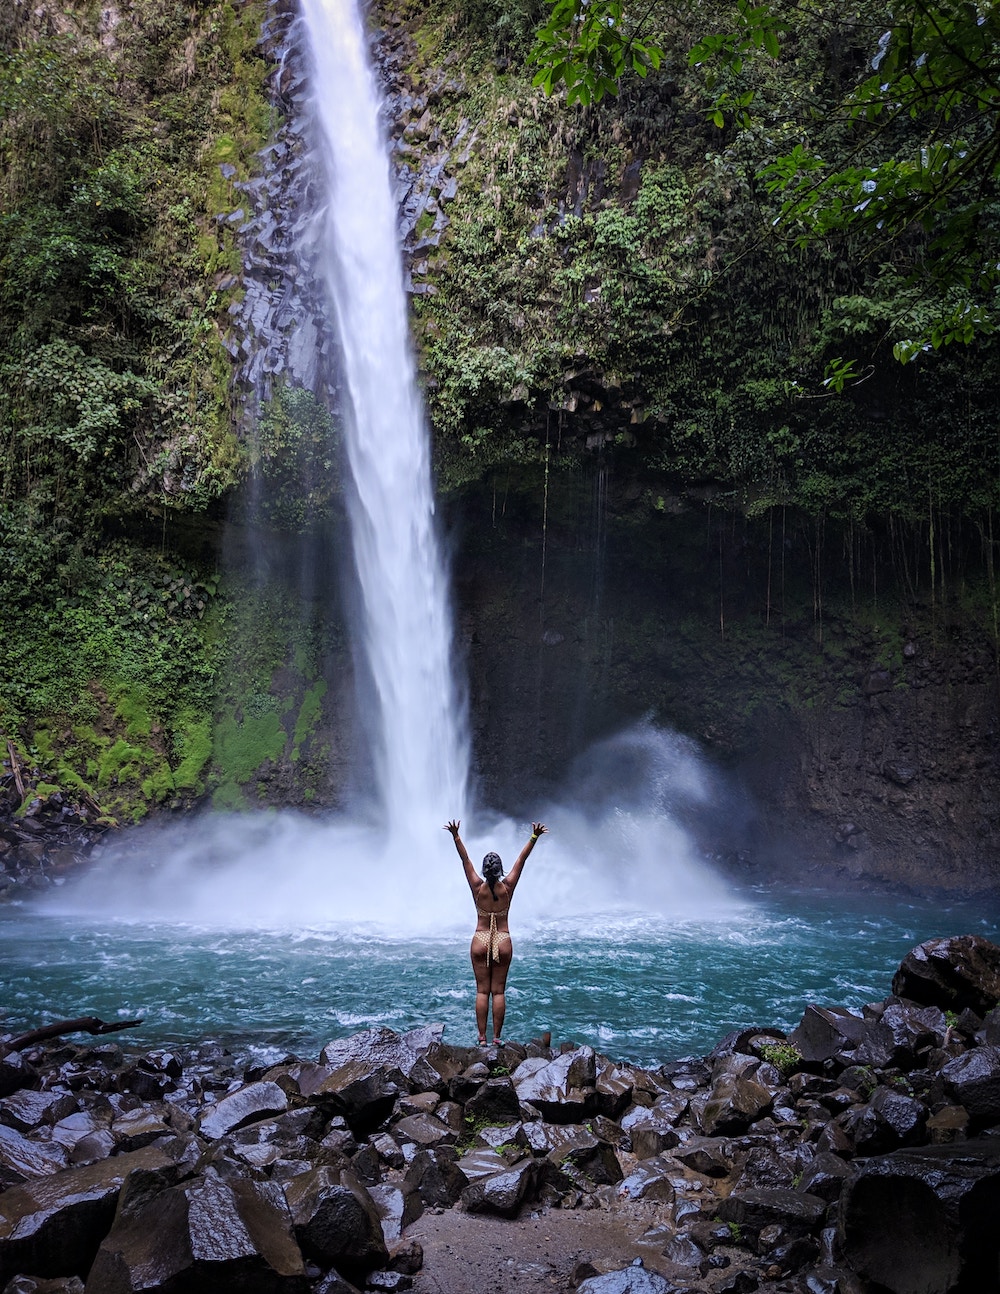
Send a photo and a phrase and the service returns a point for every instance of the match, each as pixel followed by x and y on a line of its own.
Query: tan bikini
pixel 491 938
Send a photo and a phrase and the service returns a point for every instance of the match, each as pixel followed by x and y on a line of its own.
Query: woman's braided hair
pixel 492 871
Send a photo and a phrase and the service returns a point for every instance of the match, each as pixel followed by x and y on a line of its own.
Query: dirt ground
pixel 534 1254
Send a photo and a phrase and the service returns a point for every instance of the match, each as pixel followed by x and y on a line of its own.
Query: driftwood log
pixel 82 1024
pixel 15 768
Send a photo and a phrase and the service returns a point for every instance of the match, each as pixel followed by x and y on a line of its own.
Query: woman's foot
pixel 497 1042
pixel 482 1040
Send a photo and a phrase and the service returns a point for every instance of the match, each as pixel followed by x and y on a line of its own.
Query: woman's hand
pixel 538 828
pixel 453 827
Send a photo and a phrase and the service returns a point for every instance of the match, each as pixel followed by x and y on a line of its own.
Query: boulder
pixel 28 1109
pixel 630 1280
pixel 255 1101
pixel 951 973
pixel 505 1138
pixel 732 1104
pixel 424 1130
pixel 437 1177
pixel 652 1179
pixel 825 1176
pixel 767 1166
pixel 137 1128
pixel 825 1031
pixel 563 1089
pixel 363 1092
pixel 973 1081
pixel 650 1131
pixel 412 1054
pixel 15 1072
pixel 505 1192
pixel 796 1212
pixel 52 1226
pixel 923 1220
pixel 495 1101
pixel 336 1221
pixel 704 1155
pixel 481 1162
pixel 206 1236
pixel 889 1120
pixel 84 1123
pixel 397 1206
pixel 612 1088
pixel 900 1032
pixel 22 1158
pixel 586 1156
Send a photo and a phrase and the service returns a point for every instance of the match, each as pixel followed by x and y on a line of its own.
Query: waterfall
pixel 618 841
pixel 414 712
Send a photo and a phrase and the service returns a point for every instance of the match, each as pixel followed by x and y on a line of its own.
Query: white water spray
pixel 417 725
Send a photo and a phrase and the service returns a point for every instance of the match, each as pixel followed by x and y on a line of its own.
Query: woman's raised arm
pixel 471 875
pixel 514 875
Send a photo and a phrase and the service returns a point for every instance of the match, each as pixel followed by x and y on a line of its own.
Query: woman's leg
pixel 482 973
pixel 498 984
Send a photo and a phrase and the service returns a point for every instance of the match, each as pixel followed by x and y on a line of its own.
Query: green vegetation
pixel 639 287
pixel 784 1056
pixel 896 134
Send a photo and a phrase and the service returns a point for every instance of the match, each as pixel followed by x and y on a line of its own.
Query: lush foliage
pixel 894 141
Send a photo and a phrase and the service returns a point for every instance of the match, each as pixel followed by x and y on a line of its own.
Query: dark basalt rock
pixel 437 1177
pixel 586 1156
pixel 52 1226
pixel 15 1072
pixel 412 1054
pixel 562 1089
pixel 397 1206
pixel 652 1179
pixel 704 1155
pixel 733 1103
pixel 25 1110
pixel 952 973
pixel 21 1158
pixel 825 1031
pixel 923 1220
pixel 255 1101
pixel 825 1176
pixel 973 1081
pixel 505 1192
pixel 205 1237
pixel 495 1101
pixel 896 1037
pixel 630 1280
pixel 336 1221
pixel 889 1120
pixel 423 1130
pixel 796 1212
pixel 363 1092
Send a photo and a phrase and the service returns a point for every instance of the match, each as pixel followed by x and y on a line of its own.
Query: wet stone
pixel 22 1158
pixel 649 1180
pixel 28 1109
pixel 257 1100
pixel 396 1207
pixel 424 1130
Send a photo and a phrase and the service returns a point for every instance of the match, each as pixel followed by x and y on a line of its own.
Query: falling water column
pixel 418 731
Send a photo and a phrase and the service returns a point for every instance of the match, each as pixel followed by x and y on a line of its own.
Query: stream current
pixel 639 988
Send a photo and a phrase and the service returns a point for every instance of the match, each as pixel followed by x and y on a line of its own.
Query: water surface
pixel 641 988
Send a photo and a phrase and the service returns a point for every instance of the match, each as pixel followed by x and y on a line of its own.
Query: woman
pixel 491 945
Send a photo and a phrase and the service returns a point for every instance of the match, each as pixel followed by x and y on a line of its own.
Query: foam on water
pixel 615 848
